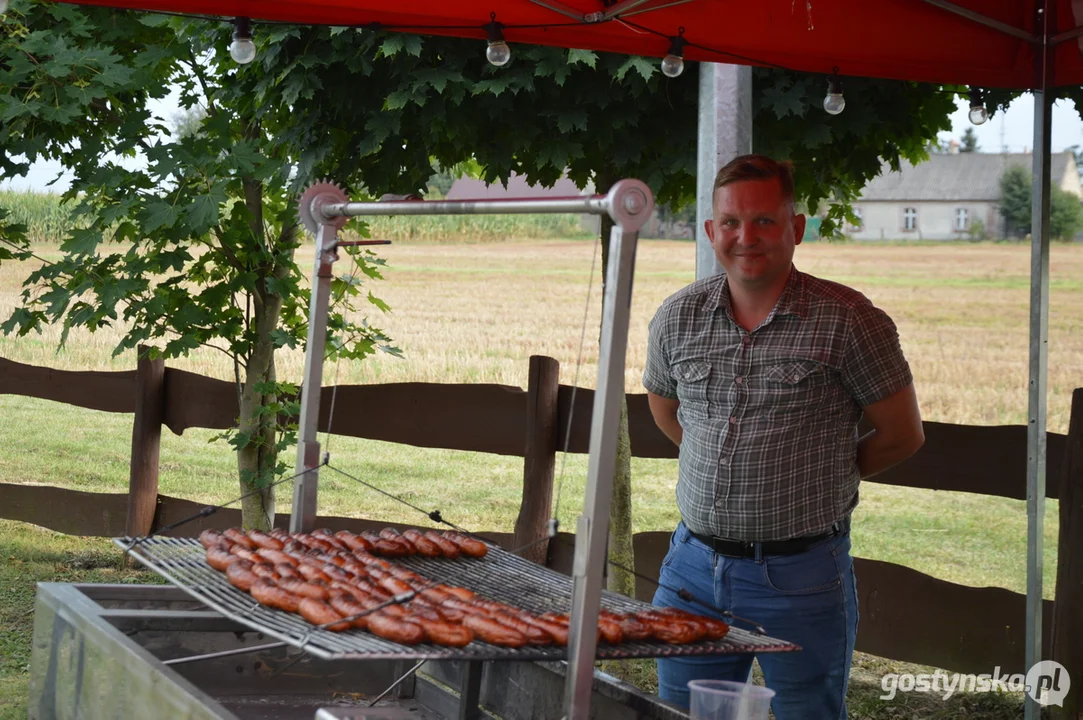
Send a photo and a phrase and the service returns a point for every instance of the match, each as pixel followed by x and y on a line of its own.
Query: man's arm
pixel 897 433
pixel 664 411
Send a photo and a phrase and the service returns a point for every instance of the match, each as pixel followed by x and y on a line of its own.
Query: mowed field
pixel 474 313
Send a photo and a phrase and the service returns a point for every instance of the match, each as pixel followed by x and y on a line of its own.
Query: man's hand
pixel 664 412
pixel 897 432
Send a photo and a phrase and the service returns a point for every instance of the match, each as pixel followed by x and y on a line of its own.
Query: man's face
pixel 754 232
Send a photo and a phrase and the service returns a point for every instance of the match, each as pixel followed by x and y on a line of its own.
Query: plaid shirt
pixel 770 417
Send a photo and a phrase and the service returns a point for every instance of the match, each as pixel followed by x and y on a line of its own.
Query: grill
pixel 499 576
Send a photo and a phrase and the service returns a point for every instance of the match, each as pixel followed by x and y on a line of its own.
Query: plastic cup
pixel 726 700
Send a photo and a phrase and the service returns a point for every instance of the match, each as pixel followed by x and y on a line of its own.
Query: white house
pixel 945 197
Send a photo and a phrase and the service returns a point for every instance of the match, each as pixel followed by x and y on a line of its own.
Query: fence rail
pixel 905 615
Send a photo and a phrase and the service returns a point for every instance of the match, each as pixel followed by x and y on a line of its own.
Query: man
pixel 761 375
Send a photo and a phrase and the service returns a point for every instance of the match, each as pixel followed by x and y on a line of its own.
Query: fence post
pixel 146 441
pixel 539 459
pixel 1067 617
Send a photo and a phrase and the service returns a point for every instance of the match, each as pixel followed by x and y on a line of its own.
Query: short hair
pixel 757 167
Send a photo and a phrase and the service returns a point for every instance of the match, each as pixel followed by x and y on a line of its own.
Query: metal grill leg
pixel 470 693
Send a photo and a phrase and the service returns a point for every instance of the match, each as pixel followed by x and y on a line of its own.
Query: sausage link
pixel 492 632
pixel 312 574
pixel 237 537
pixel 422 544
pixel 558 632
pixel 276 557
pixel 210 538
pixel 285 570
pixel 264 540
pixel 268 593
pixel 240 575
pixel 264 570
pixel 395 629
pixel 348 607
pixel 353 542
pixel 244 552
pixel 447 548
pixel 459 592
pixel 534 635
pixel 439 631
pixel 319 612
pixel 610 630
pixel 469 546
pixel 303 588
pixel 220 558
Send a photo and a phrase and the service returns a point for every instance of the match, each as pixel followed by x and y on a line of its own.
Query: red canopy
pixel 989 43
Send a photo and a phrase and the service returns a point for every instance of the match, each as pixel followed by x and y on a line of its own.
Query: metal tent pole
pixel 725 131
pixel 1039 342
pixel 630 205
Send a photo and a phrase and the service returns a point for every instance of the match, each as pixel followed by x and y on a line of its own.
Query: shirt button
pixel 746 340
pixel 738 379
pixel 724 461
pixel 733 419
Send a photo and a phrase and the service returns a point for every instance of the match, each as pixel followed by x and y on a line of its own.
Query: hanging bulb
pixel 242 49
pixel 498 53
pixel 978 113
pixel 3 6
pixel 673 62
pixel 834 102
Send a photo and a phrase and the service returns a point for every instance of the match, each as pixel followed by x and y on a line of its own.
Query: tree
pixel 1065 216
pixel 969 142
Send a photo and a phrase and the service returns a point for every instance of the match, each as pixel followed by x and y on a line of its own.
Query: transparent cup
pixel 726 700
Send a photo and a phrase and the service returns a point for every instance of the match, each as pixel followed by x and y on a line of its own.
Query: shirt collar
pixel 793 301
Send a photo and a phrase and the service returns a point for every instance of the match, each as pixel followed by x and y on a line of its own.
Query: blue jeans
pixel 809 599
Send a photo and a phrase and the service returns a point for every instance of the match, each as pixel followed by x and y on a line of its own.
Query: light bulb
pixel 242 49
pixel 3 6
pixel 672 65
pixel 498 53
pixel 978 114
pixel 834 103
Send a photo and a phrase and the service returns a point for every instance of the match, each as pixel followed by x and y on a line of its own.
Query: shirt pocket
pixel 693 377
pixel 795 372
pixel 795 388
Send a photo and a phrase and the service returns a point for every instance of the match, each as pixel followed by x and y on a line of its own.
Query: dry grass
pixel 475 313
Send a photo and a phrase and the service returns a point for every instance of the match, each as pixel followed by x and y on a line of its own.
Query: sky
pixel 1013 130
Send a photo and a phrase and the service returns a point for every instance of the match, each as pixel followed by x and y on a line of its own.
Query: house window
pixel 910 218
pixel 962 218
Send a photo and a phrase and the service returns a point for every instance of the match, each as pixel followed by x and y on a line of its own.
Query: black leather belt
pixel 742 549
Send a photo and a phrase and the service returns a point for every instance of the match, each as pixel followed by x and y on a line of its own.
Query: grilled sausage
pixel 468 545
pixel 268 593
pixel 220 558
pixel 558 632
pixel 632 629
pixel 492 632
pixel 349 608
pixel 264 540
pixel 670 628
pixel 210 538
pixel 264 570
pixel 320 613
pixel 353 542
pixel 240 575
pixel 310 573
pixel 303 588
pixel 243 552
pixel 534 635
pixel 439 631
pixel 395 629
pixel 275 557
pixel 610 630
pixel 459 592
pixel 447 548
pixel 422 544
pixel 237 537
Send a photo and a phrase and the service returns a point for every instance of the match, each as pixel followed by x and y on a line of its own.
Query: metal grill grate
pixel 499 575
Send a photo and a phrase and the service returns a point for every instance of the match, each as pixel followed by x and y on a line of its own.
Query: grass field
pixel 476 312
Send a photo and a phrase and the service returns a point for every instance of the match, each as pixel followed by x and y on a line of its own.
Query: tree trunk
pixel 620 510
pixel 256 459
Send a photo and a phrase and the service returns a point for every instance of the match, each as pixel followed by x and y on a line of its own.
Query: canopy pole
pixel 725 131
pixel 1039 344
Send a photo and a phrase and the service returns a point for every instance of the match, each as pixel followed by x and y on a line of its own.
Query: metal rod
pixel 224 653
pixel 398 682
pixel 1039 345
pixel 305 488
pixel 984 20
pixel 1066 35
pixel 655 7
pixel 632 204
pixel 590 204
pixel 470 692
pixel 559 7
pixel 621 7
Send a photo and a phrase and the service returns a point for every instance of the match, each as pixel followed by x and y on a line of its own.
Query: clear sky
pixel 1013 130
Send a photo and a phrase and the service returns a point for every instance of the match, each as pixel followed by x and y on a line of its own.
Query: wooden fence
pixel 905 615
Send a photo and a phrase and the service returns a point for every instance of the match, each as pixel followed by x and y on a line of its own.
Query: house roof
pixel 960 176
pixel 466 188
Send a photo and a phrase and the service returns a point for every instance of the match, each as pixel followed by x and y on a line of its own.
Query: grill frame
pixel 499 576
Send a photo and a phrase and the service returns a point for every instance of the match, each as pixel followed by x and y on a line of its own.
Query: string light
pixel 242 49
pixel 498 53
pixel 834 102
pixel 978 113
pixel 3 6
pixel 673 62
